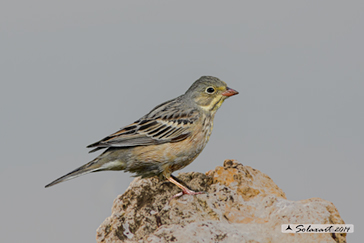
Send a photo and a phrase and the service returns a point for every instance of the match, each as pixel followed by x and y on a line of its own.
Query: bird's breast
pixel 173 156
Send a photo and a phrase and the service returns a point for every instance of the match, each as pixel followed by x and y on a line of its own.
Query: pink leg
pixel 184 189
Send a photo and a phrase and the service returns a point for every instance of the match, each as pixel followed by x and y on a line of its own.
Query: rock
pixel 241 205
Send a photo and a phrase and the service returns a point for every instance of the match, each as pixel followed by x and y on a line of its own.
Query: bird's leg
pixel 184 189
pixel 176 179
pixel 179 180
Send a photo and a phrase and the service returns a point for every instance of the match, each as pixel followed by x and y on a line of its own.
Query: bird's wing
pixel 165 123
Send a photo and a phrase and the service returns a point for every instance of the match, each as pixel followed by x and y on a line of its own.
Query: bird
pixel 166 139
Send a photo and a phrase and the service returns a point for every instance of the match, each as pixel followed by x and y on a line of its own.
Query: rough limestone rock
pixel 241 205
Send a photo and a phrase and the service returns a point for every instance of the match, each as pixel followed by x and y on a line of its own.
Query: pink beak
pixel 229 92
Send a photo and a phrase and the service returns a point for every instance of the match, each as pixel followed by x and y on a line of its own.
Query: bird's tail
pixel 84 169
pixel 111 159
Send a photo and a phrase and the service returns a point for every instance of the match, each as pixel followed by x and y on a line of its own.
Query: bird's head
pixel 209 93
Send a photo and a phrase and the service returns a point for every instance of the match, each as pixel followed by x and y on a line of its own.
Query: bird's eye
pixel 210 90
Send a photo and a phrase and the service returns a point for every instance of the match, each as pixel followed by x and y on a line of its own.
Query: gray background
pixel 75 71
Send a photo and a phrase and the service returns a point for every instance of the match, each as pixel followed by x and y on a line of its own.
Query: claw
pixel 187 192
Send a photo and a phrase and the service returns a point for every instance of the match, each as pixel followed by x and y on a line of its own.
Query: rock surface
pixel 241 205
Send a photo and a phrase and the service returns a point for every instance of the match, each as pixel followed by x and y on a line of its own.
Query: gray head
pixel 209 93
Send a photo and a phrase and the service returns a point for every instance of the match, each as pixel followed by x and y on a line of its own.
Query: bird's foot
pixel 187 192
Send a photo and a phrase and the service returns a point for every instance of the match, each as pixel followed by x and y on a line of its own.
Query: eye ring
pixel 210 90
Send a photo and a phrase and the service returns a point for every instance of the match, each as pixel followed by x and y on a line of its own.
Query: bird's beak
pixel 229 92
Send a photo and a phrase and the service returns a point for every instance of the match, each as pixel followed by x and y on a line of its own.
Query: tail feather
pixel 84 169
pixel 111 159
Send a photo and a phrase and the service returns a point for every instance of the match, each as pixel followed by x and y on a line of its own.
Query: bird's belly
pixel 168 157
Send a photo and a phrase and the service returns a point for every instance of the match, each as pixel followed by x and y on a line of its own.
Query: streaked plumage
pixel 166 139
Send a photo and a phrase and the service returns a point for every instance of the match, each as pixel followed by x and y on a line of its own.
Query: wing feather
pixel 165 123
